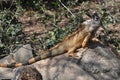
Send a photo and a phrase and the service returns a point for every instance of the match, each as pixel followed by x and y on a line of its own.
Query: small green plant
pixel 9 30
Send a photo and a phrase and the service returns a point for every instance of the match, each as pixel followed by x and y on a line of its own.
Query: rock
pixel 97 62
pixel 6 73
pixel 27 73
pixel 21 54
pixel 8 59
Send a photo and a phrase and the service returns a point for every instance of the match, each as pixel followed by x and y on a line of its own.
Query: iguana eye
pixel 95 17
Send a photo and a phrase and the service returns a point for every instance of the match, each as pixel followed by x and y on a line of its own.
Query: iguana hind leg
pixel 71 52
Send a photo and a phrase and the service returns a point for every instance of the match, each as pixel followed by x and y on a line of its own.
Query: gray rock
pixel 8 59
pixel 6 73
pixel 21 54
pixel 27 73
pixel 95 63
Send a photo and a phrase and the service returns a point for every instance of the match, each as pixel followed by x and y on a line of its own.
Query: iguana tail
pixel 57 50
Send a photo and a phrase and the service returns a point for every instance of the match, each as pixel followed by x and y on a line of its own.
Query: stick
pixel 67 9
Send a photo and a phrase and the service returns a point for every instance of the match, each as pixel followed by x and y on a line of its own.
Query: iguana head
pixel 97 20
pixel 94 23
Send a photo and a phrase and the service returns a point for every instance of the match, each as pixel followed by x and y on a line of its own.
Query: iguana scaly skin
pixel 77 39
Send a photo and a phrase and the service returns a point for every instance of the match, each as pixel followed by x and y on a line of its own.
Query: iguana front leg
pixel 71 51
pixel 86 40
